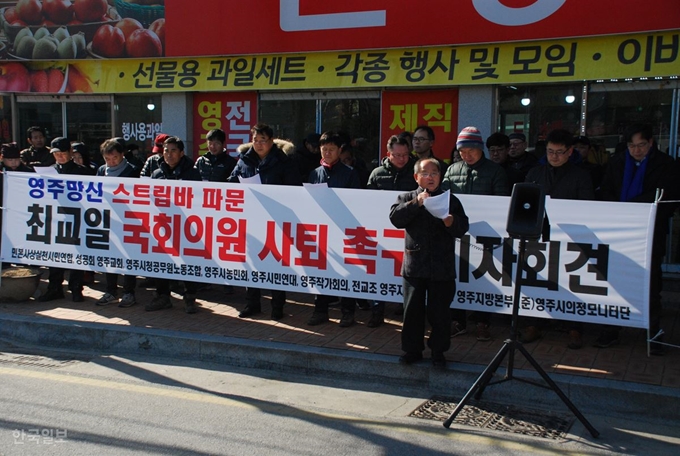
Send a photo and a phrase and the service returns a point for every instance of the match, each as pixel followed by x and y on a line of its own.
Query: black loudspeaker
pixel 527 211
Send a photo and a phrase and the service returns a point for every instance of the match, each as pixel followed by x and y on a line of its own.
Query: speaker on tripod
pixel 526 220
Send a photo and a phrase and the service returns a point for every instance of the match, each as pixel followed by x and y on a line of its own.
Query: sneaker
pixel 107 298
pixel 438 360
pixel 51 295
pixel 483 333
pixel 347 320
pixel 410 357
pixel 160 302
pixel 190 304
pixel 318 318
pixel 375 320
pixel 575 340
pixel 457 329
pixel 249 311
pixel 128 300
pixel 530 334
pixel 607 339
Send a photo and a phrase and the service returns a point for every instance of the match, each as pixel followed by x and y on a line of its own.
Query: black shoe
pixel 347 320
pixel 77 296
pixel 375 320
pixel 410 357
pixel 249 311
pixel 438 360
pixel 363 304
pixel 51 295
pixel 607 339
pixel 277 313
pixel 190 304
pixel 318 318
pixel 160 302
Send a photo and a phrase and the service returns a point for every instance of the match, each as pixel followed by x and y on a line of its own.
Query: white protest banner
pixel 595 268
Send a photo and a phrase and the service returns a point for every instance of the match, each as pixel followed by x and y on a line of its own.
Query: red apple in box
pixel 29 11
pixel 158 27
pixel 58 11
pixel 11 14
pixel 129 25
pixel 108 41
pixel 90 10
pixel 143 43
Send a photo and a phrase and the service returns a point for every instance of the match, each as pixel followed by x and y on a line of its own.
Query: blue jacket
pixel 338 176
pixel 276 168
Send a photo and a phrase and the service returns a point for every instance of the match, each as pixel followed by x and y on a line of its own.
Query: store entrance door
pixel 86 119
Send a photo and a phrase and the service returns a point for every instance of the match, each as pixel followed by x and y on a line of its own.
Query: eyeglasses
pixel 496 150
pixel 399 156
pixel 639 146
pixel 427 175
pixel 260 141
pixel 516 143
pixel 417 139
pixel 557 152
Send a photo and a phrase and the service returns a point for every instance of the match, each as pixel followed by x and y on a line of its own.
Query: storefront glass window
pixel 6 120
pixel 295 119
pixel 138 119
pixel 536 110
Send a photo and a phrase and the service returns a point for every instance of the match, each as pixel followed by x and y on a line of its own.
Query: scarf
pixel 633 177
pixel 117 170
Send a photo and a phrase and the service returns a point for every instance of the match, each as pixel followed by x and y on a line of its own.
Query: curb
pixel 589 395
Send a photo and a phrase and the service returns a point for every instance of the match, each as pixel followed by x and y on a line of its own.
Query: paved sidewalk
pixel 218 316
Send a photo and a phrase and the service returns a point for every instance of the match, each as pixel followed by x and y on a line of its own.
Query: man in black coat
pixel 561 179
pixel 274 167
pixel 174 166
pixel 61 150
pixel 634 177
pixel 429 266
pixel 10 160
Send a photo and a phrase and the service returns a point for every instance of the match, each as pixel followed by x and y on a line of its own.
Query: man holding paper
pixel 429 266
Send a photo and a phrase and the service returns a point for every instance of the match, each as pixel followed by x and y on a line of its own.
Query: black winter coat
pixel 276 168
pixel 338 176
pixel 388 177
pixel 215 168
pixel 183 171
pixel 564 182
pixel 429 251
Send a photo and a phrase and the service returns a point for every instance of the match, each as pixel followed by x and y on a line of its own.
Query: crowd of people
pixel 571 168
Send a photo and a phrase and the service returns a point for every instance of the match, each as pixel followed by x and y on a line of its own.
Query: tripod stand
pixel 508 348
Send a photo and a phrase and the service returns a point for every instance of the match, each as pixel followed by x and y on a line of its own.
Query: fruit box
pixel 89 28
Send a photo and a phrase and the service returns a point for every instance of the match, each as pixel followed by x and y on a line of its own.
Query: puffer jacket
pixel 337 176
pixel 388 177
pixel 183 171
pixel 429 251
pixel 276 168
pixel 483 178
pixel 215 168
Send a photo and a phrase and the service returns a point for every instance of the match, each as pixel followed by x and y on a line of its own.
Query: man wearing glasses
pixel 395 173
pixel 498 145
pixel 634 177
pixel 518 156
pixel 561 179
pixel 429 265
pixel 423 140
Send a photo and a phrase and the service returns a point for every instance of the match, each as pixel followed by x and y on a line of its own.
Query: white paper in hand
pixel 255 180
pixel 438 205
